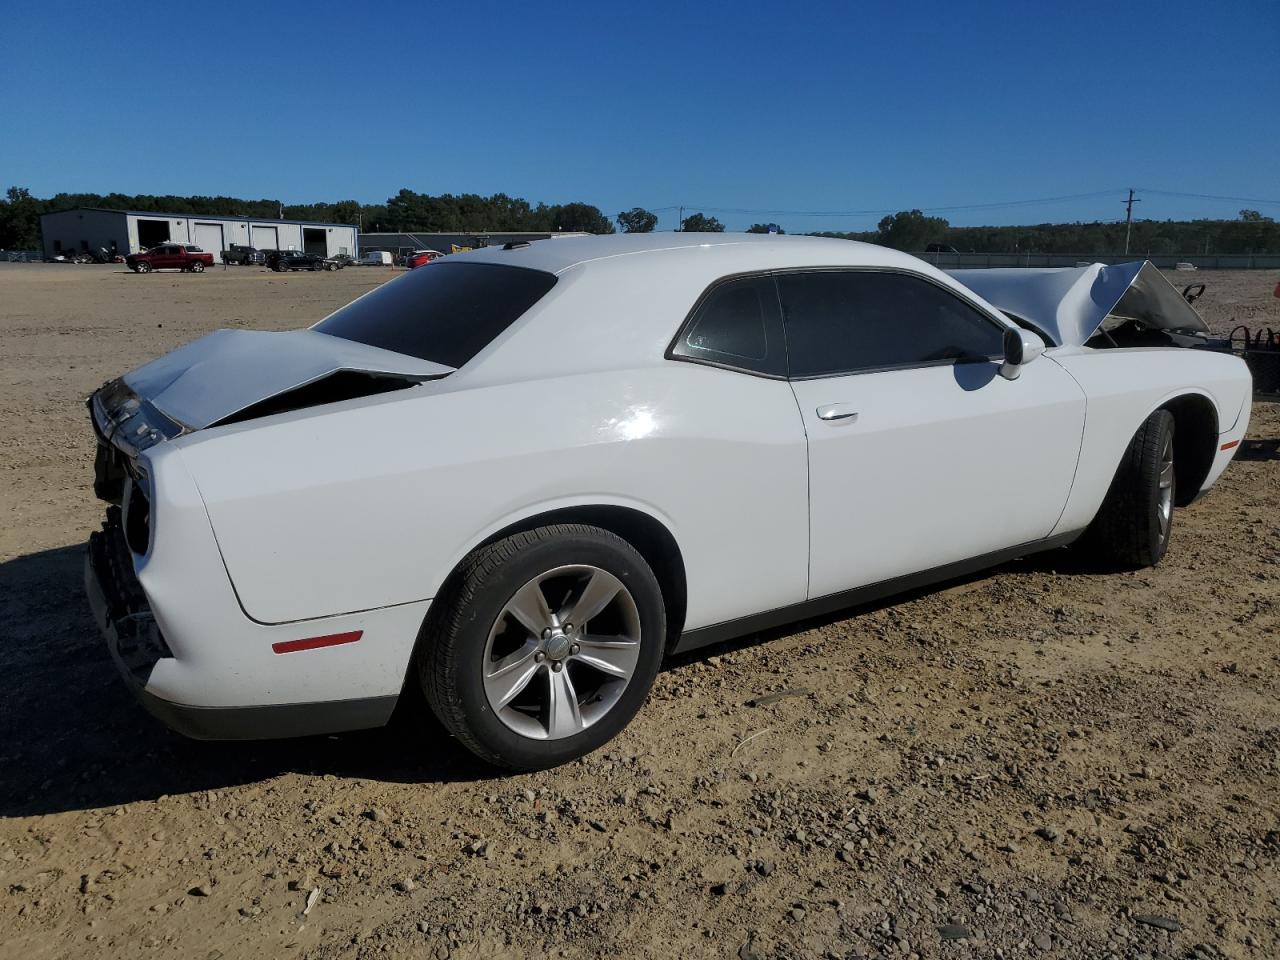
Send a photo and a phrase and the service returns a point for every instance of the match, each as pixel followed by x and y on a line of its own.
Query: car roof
pixel 636 289
pixel 568 252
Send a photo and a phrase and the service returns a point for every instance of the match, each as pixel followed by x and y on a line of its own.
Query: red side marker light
pixel 1233 443
pixel 315 643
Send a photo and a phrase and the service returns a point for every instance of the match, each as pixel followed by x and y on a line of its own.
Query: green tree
pixel 637 220
pixel 764 228
pixel 579 218
pixel 20 220
pixel 911 230
pixel 697 223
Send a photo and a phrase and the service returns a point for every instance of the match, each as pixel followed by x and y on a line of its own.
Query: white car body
pixel 343 520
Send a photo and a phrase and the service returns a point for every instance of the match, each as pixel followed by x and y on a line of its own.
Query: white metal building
pixel 130 231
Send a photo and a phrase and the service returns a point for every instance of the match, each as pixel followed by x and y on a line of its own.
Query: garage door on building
pixel 264 238
pixel 209 237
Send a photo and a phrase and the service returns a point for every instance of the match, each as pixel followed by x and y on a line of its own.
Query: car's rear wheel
pixel 543 645
pixel 1136 518
pixel 197 267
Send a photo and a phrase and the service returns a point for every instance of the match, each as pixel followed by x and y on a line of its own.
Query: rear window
pixel 446 315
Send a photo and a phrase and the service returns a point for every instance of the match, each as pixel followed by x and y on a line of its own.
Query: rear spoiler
pixel 1071 304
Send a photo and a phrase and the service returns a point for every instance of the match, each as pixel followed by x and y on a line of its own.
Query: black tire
pixel 452 646
pixel 197 267
pixel 143 268
pixel 1134 524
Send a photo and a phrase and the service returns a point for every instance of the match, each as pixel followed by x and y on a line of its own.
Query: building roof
pixel 157 214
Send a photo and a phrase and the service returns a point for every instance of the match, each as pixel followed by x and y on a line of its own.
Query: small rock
pixel 954 931
pixel 201 890
pixel 1161 923
pixel 797 914
pixel 1043 941
pixel 374 814
pixel 405 886
pixel 764 867
pixel 1047 833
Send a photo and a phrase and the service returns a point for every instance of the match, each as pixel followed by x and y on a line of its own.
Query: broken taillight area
pixel 119 603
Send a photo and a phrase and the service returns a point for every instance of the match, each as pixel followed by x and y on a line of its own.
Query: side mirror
pixel 1020 348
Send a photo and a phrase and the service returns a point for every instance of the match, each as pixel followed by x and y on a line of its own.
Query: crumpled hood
pixel 228 371
pixel 1071 303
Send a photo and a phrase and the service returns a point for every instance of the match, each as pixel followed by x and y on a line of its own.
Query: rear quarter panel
pixel 373 502
pixel 1123 387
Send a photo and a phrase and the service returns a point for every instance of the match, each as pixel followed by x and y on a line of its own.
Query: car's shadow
pixel 1259 450
pixel 72 737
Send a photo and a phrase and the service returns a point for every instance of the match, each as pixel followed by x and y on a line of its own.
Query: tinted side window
pixel 850 321
pixel 736 324
pixel 446 314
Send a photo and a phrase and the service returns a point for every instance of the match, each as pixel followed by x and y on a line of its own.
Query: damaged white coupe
pixel 520 478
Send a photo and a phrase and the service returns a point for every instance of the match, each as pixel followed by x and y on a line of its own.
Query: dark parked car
pixel 283 260
pixel 244 255
pixel 170 256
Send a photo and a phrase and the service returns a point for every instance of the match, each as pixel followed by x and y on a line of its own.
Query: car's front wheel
pixel 197 267
pixel 543 645
pixel 142 267
pixel 1136 518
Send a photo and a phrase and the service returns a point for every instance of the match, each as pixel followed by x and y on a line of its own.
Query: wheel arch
pixel 1195 441
pixel 649 535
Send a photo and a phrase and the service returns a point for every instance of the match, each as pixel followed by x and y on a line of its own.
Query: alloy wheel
pixel 561 653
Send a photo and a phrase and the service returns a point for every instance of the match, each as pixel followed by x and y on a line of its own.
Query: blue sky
pixel 752 107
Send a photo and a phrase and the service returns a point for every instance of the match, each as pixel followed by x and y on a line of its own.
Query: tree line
pixel 412 212
pixel 911 230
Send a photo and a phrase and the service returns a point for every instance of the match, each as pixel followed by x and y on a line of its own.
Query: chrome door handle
pixel 838 411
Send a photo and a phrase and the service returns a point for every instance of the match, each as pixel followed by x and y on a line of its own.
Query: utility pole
pixel 1128 219
pixel 680 222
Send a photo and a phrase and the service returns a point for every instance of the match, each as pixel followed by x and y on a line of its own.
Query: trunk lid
pixel 231 373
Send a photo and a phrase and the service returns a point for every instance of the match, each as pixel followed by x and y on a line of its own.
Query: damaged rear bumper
pixel 137 646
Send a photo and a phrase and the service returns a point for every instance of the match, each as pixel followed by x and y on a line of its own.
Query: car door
pixel 920 453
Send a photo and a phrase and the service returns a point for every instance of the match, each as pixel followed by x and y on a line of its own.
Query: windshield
pixel 444 315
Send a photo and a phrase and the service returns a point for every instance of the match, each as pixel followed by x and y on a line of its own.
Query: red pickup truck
pixel 170 256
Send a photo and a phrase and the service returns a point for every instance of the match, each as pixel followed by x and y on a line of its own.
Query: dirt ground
pixel 1044 760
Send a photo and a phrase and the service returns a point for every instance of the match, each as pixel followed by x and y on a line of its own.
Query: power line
pixel 1206 196
pixel 886 210
pixel 989 205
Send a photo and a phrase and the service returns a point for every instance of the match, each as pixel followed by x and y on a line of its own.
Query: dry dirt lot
pixel 1048 760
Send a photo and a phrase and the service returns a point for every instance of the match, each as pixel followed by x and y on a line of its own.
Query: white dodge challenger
pixel 521 477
